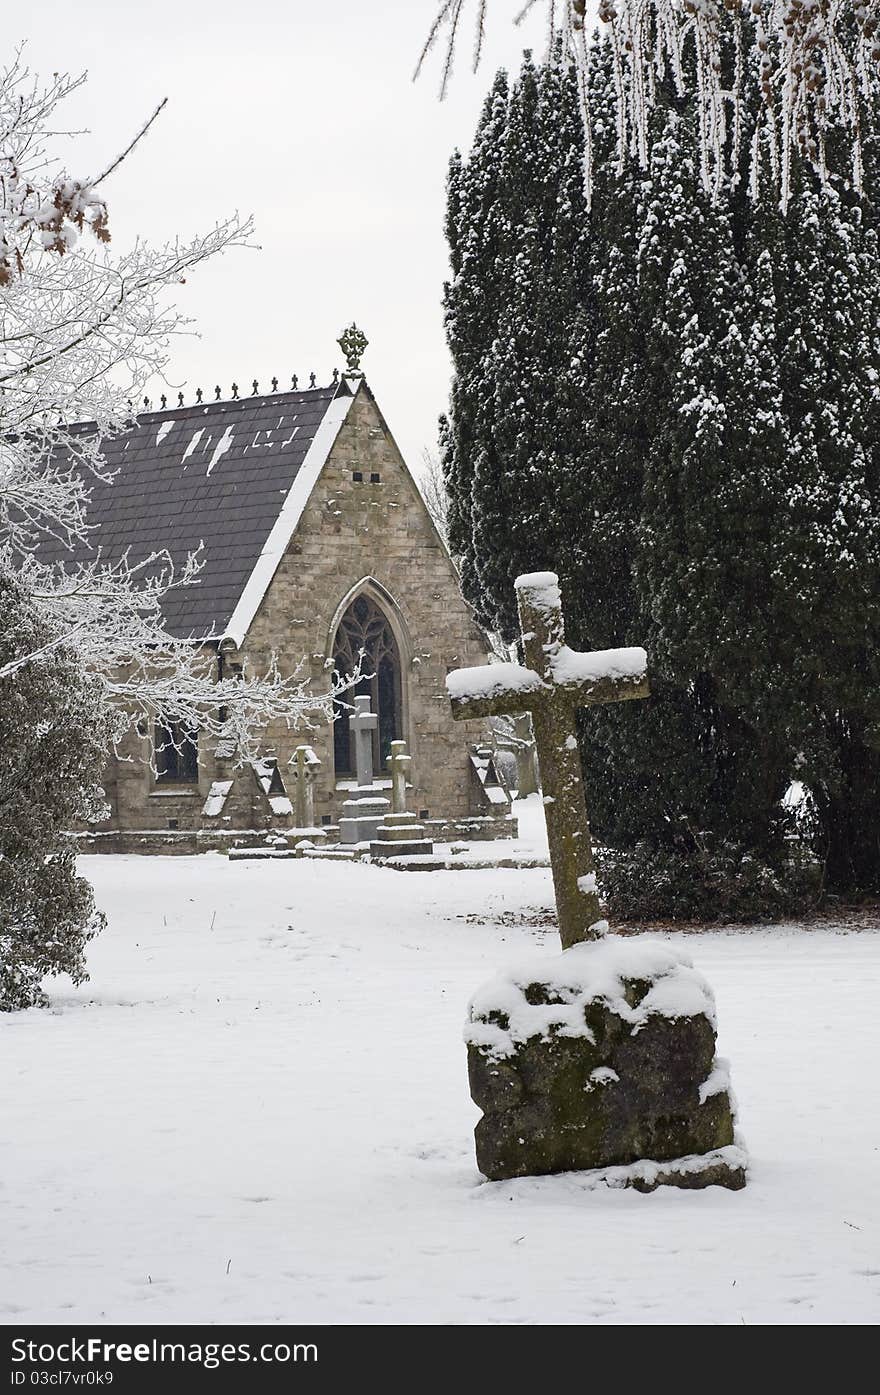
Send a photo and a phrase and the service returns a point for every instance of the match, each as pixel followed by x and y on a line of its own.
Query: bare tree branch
pixel 82 333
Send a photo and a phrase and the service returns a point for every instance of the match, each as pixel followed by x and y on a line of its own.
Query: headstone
pixel 524 750
pixel 304 766
pixel 364 812
pixel 605 1057
pixel 400 834
pixel 513 739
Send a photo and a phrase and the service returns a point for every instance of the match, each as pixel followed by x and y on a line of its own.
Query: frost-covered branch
pixel 817 63
pixel 82 332
pixel 79 340
pixel 111 616
pixel 433 491
pixel 43 207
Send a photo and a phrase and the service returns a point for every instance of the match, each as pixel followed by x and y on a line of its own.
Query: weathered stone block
pixel 602 1057
pixel 361 817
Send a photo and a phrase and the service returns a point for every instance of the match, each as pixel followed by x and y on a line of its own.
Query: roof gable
pixel 232 475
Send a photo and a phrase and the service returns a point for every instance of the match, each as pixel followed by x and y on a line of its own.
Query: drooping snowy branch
pixel 80 337
pixel 817 63
pixel 112 616
pixel 82 332
pixel 41 206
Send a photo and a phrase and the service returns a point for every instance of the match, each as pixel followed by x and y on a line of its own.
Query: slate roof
pixel 216 473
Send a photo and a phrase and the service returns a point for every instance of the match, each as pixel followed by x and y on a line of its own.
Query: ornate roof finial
pixel 335 376
pixel 295 381
pixel 352 342
pixel 180 399
pixel 274 384
pixel 256 387
pixel 164 400
pixel 198 394
pixel 235 391
pixel 217 393
pixel 311 380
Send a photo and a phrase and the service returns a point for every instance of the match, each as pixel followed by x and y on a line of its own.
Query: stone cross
pixel 304 766
pixel 552 685
pixel 399 763
pixel 363 723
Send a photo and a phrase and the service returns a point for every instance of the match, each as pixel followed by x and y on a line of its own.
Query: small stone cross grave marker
pixel 304 766
pixel 364 812
pixel 552 685
pixel 399 763
pixel 363 723
pixel 400 834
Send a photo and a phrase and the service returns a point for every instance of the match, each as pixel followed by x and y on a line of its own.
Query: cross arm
pixel 304 755
pixel 605 675
pixel 494 690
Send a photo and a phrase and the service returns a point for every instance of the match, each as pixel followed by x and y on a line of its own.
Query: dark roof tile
pixel 176 487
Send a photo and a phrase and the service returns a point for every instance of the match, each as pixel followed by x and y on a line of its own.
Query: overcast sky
pixel 303 113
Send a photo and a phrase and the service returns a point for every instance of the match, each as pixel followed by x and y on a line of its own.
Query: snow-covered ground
pixel 257 1111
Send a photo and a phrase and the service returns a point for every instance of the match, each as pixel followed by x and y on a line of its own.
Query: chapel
pixel 317 548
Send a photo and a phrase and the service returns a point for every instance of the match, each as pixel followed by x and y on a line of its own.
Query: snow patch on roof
pixel 163 432
pixel 270 781
pixel 291 512
pixel 221 448
pixel 217 796
pixel 197 436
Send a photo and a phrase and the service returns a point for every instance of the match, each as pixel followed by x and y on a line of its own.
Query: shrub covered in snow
pixel 708 882
pixel 52 748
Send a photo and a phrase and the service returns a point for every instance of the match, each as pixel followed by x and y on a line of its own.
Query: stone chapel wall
pixel 352 529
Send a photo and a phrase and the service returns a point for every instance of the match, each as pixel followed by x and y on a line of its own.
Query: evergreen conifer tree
pixel 829 352
pixel 517 231
pixel 675 403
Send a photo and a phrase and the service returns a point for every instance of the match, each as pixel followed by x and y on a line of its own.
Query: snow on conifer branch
pixel 817 63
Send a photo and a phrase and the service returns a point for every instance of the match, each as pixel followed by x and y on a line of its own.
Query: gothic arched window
pixel 176 752
pixel 365 637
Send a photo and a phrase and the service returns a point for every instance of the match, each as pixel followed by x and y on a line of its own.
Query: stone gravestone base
pixel 601 1058
pixel 362 816
pixel 401 835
